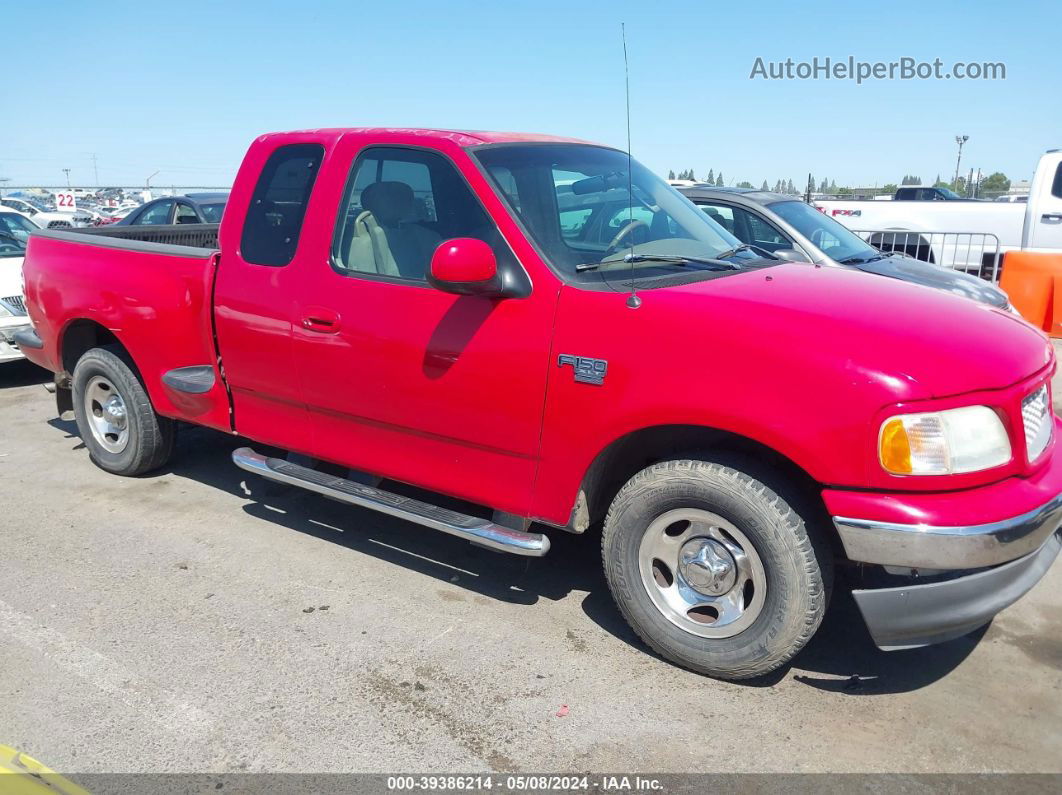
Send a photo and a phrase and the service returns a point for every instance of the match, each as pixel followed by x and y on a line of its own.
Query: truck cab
pixel 544 330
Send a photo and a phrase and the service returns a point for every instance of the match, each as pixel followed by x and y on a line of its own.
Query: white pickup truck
pixel 963 234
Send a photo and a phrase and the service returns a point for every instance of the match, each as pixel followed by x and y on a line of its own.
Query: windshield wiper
pixel 716 264
pixel 744 247
pixel 856 260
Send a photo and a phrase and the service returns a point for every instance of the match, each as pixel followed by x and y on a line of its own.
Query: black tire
pixel 795 568
pixel 150 438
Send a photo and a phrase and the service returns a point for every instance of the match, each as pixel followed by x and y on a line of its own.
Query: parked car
pixel 919 193
pixel 410 304
pixel 787 227
pixel 14 232
pixel 112 215
pixel 41 217
pixel 192 208
pixel 946 232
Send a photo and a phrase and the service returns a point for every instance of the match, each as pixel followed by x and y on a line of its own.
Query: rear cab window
pixel 278 205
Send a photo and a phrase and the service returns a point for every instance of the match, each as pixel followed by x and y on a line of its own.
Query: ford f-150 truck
pixel 418 306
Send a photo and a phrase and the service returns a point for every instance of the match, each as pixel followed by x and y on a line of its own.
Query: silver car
pixel 787 228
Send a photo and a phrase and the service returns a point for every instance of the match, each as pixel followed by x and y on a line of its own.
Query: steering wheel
pixel 624 231
pixel 8 247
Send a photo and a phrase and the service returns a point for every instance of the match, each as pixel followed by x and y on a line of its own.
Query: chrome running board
pixel 481 532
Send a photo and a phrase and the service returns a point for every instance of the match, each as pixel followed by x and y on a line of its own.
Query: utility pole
pixel 960 140
pixel 67 172
pixel 95 170
pixel 147 182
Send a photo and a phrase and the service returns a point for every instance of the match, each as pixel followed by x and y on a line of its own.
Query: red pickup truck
pixel 546 330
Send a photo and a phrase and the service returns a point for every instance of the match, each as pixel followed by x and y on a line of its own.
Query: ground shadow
pixel 22 372
pixel 840 658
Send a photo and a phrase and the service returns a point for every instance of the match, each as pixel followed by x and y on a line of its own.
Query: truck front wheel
pixel 115 417
pixel 713 569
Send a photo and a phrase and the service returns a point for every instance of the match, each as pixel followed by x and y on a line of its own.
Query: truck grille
pixel 1039 425
pixel 16 303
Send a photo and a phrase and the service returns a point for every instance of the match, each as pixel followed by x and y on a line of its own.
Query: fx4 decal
pixel 587 370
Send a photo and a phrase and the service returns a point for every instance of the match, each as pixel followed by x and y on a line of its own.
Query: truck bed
pixel 150 287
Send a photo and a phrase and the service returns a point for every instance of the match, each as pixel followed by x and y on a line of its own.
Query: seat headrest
pixel 389 202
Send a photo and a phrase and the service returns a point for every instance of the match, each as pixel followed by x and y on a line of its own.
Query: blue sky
pixel 183 87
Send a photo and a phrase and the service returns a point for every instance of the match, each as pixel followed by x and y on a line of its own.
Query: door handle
pixel 321 320
pixel 1048 217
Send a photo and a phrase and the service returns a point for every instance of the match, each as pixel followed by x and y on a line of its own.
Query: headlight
pixel 967 439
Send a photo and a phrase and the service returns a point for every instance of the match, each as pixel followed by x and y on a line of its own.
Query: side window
pixel 157 213
pixel 763 234
pixel 1056 186
pixel 185 215
pixel 278 205
pixel 399 205
pixel 724 216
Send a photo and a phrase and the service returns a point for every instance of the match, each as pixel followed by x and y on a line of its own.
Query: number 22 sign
pixel 65 202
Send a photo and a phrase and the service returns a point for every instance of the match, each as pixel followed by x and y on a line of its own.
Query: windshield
pixel 831 238
pixel 212 212
pixel 575 202
pixel 14 232
pixel 949 194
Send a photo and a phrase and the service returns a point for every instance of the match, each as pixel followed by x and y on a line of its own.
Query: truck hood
pixel 917 341
pixel 912 270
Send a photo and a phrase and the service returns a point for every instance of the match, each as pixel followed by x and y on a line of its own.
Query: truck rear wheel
pixel 115 417
pixel 713 569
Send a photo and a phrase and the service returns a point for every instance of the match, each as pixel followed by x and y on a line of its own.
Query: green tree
pixel 764 186
pixel 824 186
pixel 718 180
pixel 891 187
pixel 744 184
pixel 995 183
pixel 833 186
pixel 711 176
pixel 939 183
pixel 671 174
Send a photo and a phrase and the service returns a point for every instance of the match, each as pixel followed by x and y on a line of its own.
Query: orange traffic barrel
pixel 1033 281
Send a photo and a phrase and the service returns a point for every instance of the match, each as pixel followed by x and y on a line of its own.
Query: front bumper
pixel 918 615
pixel 1008 556
pixel 926 546
pixel 9 349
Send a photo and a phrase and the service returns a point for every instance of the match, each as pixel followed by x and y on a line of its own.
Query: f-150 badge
pixel 587 370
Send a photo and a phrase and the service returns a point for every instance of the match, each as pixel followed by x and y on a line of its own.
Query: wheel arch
pixel 632 452
pixel 82 335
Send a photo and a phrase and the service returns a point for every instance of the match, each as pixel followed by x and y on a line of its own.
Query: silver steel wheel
pixel 702 573
pixel 106 414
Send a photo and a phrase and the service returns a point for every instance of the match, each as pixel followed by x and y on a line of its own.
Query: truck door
pixel 401 379
pixel 1043 213
pixel 254 295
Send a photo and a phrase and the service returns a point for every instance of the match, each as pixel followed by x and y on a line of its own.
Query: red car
pixel 472 313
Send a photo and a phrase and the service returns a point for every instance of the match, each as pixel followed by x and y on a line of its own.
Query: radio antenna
pixel 633 301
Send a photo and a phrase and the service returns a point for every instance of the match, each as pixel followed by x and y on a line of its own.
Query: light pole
pixel 147 182
pixel 960 140
pixel 67 172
